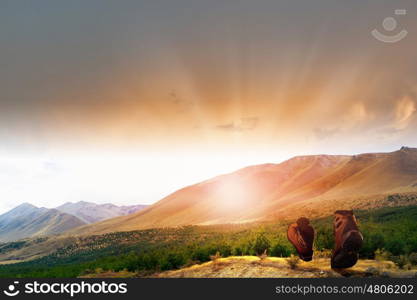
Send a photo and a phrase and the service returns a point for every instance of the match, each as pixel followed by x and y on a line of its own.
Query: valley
pixel 389 235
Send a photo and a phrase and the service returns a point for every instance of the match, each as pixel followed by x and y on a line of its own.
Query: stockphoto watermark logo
pixel 72 289
pixel 12 289
pixel 390 24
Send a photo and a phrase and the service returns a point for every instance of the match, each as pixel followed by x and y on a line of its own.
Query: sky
pixel 128 101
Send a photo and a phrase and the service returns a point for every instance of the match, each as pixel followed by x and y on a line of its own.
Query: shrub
pixel 372 242
pixel 172 261
pixel 201 254
pixel 382 254
pixel 324 238
pixel 224 249
pixel 280 250
pixel 238 251
pixel 149 262
pixel 263 256
pixel 262 244
pixel 325 253
pixel 293 261
pixel 215 257
pixel 413 258
pixel 243 248
pixel 401 261
pixel 396 246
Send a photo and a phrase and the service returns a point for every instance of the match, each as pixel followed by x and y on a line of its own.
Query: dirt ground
pixel 273 267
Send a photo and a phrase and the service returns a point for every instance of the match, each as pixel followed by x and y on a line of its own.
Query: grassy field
pixel 390 235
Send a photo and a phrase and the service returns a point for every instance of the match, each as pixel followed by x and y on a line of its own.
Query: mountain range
pixel 311 186
pixel 27 220
pixel 314 186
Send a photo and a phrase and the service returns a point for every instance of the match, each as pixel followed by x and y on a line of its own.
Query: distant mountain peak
pixel 27 220
pixel 405 148
pixel 90 212
pixel 81 203
pixel 84 202
pixel 23 209
pixel 26 205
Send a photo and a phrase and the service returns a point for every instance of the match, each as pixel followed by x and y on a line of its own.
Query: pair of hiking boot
pixel 348 239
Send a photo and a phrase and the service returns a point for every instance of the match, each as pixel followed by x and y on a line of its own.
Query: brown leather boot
pixel 301 235
pixel 348 240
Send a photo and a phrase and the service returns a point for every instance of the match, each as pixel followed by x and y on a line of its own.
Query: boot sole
pixel 353 242
pixel 344 259
pixel 348 256
pixel 305 257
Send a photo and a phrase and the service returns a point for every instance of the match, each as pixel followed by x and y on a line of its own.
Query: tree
pixel 280 250
pixel 262 244
pixel 324 238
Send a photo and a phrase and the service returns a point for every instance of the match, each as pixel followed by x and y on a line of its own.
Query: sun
pixel 232 196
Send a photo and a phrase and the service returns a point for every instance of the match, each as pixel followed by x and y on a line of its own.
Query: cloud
pixel 325 133
pixel 244 124
pixel 404 112
pixel 358 113
pixel 181 103
pixel 401 118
